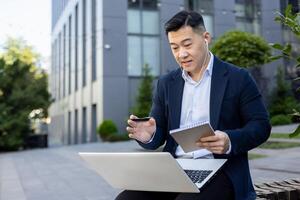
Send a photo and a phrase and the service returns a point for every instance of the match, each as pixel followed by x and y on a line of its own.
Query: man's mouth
pixel 185 63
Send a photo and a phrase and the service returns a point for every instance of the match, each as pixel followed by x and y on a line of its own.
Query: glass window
pixel 94 40
pixel 134 55
pixel 149 4
pixel 150 22
pixel 134 21
pixel 76 127
pixel 143 36
pixel 69 127
pixel 248 15
pixel 83 43
pixel 208 22
pixel 84 126
pixel 70 52
pixel 59 66
pixel 64 61
pixel 205 8
pixel 134 4
pixel 76 47
pixel 94 123
pixel 151 53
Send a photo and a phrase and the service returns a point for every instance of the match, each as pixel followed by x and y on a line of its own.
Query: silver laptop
pixel 157 171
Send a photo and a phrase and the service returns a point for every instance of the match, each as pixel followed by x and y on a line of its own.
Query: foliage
pixel 23 88
pixel 281 135
pixel 252 156
pixel 281 120
pixel 292 22
pixel 279 145
pixel 144 98
pixel 282 101
pixel 118 137
pixel 107 128
pixel 108 131
pixel 242 49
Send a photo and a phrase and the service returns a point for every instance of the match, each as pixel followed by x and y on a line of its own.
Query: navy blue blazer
pixel 236 107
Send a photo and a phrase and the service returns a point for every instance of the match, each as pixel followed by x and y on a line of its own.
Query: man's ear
pixel 206 37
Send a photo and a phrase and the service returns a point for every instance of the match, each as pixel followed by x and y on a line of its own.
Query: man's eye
pixel 174 48
pixel 187 45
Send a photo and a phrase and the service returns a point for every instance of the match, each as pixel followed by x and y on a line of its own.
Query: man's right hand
pixel 141 131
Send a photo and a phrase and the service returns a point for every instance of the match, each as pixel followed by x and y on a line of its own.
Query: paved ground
pixel 58 173
pixel 284 129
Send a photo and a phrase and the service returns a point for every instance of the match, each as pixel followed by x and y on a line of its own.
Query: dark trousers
pixel 220 187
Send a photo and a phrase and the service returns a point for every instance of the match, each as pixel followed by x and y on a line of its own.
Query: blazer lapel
pixel 218 85
pixel 175 99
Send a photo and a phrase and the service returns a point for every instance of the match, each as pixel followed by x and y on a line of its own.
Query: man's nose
pixel 183 53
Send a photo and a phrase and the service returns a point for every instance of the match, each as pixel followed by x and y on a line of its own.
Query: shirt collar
pixel 208 70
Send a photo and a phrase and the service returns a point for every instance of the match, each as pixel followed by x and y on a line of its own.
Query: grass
pixel 278 145
pixel 117 137
pixel 252 156
pixel 283 135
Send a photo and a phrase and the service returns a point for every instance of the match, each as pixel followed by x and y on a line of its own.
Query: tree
pixel 23 88
pixel 291 21
pixel 144 98
pixel 282 101
pixel 242 49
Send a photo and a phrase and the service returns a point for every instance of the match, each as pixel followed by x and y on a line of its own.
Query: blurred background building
pixel 100 46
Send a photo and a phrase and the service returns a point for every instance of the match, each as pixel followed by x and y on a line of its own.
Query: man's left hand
pixel 218 144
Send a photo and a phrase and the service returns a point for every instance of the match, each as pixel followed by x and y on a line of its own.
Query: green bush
pixel 282 99
pixel 106 129
pixel 281 120
pixel 117 137
pixel 242 49
pixel 108 132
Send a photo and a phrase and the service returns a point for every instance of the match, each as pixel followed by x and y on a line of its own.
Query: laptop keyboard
pixel 197 176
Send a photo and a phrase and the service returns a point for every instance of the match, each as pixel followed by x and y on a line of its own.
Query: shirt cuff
pixel 150 139
pixel 229 149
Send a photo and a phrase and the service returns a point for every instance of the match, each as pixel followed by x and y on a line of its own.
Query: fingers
pixel 210 144
pixel 209 139
pixel 133 117
pixel 152 121
pixel 218 144
pixel 214 147
pixel 130 122
pixel 132 136
pixel 131 132
pixel 142 130
pixel 130 129
pixel 219 135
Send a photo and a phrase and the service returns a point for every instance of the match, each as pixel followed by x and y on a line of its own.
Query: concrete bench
pixel 283 190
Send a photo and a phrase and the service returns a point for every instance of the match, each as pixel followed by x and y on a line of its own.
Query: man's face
pixel 189 48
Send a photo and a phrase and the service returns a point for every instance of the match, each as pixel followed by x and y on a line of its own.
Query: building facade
pixel 100 46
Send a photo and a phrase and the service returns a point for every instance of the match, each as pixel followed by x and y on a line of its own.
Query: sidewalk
pixel 59 174
pixel 284 128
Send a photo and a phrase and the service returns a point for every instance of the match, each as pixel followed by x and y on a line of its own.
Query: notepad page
pixel 189 126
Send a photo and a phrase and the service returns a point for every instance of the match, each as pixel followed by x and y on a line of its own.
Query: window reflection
pixel 248 15
pixel 205 8
pixel 143 36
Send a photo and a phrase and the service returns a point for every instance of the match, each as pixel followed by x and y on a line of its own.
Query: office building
pixel 100 46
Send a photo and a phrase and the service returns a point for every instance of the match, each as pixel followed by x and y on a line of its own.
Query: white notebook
pixel 187 136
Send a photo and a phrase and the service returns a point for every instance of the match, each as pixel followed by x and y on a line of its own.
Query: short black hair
pixel 185 18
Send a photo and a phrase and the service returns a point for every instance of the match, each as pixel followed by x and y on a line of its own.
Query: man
pixel 204 88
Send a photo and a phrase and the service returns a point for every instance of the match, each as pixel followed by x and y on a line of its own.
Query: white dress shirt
pixel 195 105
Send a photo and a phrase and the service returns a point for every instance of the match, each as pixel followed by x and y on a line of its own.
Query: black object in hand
pixel 144 119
